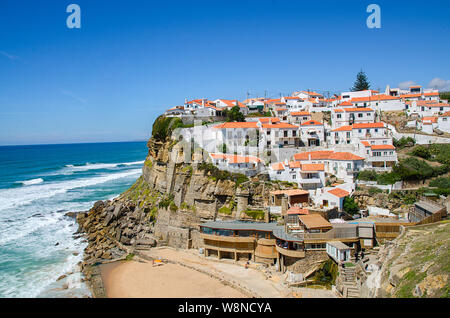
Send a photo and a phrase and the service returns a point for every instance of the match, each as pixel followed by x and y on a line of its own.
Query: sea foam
pixel 10 198
pixel 31 182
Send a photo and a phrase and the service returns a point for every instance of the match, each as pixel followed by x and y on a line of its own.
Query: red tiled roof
pixel 300 114
pixel 368 125
pixel 278 125
pixel 294 164
pixel 312 167
pixel 231 125
pixel 312 123
pixel 340 193
pixel 297 210
pixel 267 119
pixel 358 109
pixel 277 166
pixel 381 147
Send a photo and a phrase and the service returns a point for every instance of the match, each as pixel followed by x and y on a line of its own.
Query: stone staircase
pixel 348 279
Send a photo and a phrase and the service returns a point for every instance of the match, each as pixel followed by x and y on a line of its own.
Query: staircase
pixel 348 279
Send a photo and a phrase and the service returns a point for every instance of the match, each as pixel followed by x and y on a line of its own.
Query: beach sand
pixel 142 280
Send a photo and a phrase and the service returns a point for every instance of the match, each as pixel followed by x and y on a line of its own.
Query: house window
pixel 339 115
pixel 376 129
pixel 294 133
pixel 359 130
pixel 294 176
pixel 268 132
pixel 285 133
pixel 360 115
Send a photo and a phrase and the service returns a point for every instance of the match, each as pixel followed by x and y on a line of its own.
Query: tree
pixel 234 114
pixel 361 83
pixel 350 206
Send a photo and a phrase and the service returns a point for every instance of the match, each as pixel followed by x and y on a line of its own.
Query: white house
pixel 307 176
pixel 344 165
pixel 279 134
pixel 444 122
pixel 427 108
pixel 376 133
pixel 330 197
pixel 379 157
pixel 348 116
pixel 312 133
pixel 298 118
pixel 237 133
pixel 248 165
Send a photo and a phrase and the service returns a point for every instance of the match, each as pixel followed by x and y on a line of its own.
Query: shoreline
pixel 140 279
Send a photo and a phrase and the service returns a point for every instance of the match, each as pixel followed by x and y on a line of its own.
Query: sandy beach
pixel 140 279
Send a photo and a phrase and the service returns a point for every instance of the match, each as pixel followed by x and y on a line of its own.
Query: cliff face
pixel 165 206
pixel 415 264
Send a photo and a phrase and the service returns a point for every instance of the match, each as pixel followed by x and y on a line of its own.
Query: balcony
pixel 382 158
pixel 310 181
pixel 222 238
pixel 291 253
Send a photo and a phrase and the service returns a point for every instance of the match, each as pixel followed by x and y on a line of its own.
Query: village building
pixel 248 165
pixel 312 133
pixel 348 116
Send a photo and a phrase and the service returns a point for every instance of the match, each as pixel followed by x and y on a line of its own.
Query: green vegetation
pixel 255 214
pixel 404 142
pixel 148 162
pixel 408 169
pixel 216 174
pixel 166 201
pixel 327 273
pixel 441 182
pixel 444 95
pixel 173 207
pixel 374 190
pixel 222 148
pixel 228 209
pixel 164 126
pixel 129 257
pixel 361 83
pixel 233 114
pixel 350 206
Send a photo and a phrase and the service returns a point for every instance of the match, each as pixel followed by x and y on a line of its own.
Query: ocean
pixel 39 184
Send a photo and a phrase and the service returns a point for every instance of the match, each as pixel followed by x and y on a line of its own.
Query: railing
pixel 291 253
pixel 223 238
pixel 310 181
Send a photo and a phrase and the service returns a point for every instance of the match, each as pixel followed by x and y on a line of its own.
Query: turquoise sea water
pixel 38 185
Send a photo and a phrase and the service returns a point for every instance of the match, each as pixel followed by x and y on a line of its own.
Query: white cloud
pixel 440 84
pixel 9 56
pixel 406 84
pixel 74 96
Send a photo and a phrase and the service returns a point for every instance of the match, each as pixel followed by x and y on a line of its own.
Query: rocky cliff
pixel 176 192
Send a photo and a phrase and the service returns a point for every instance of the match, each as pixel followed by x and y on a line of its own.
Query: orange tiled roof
pixel 358 109
pixel 368 125
pixel 277 166
pixel 320 154
pixel 430 119
pixel 297 210
pixel 345 156
pixel 301 113
pixel 294 164
pixel 446 114
pixel 374 98
pixel 231 125
pixel 381 147
pixel 312 123
pixel 343 128
pixel 278 125
pixel 347 103
pixel 340 193
pixel 235 158
pixel 365 143
pixel 267 119
pixel 313 167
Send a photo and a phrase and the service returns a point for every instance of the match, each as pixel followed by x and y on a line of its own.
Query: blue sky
pixel 131 60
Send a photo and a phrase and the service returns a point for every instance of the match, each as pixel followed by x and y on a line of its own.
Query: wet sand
pixel 143 280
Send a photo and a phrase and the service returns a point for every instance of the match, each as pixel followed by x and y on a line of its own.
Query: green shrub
pixel 441 183
pixel 374 190
pixel 367 175
pixel 350 206
pixel 255 214
pixel 404 142
pixel 421 151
